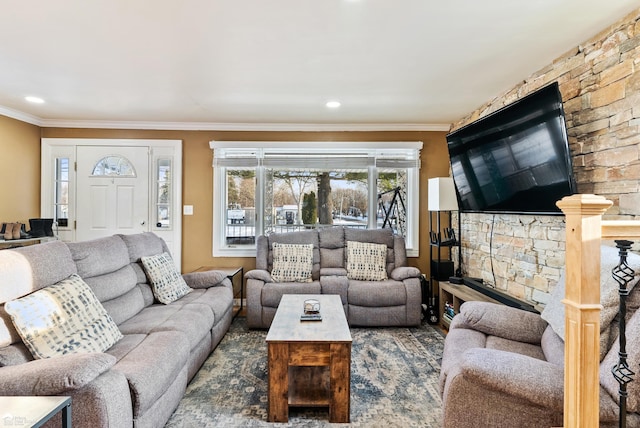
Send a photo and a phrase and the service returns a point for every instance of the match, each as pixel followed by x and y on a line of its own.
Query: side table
pixel 235 275
pixel 34 411
pixel 456 295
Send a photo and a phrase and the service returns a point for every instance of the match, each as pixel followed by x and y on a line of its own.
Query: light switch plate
pixel 187 210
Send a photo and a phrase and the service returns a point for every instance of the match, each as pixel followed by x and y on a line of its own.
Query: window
pixel 113 166
pixel 61 192
pixel 278 187
pixel 163 188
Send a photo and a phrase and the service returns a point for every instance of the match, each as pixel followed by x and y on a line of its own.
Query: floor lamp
pixel 442 197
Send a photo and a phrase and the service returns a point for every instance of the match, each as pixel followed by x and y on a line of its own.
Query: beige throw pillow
pixel 292 262
pixel 167 283
pixel 366 261
pixel 65 318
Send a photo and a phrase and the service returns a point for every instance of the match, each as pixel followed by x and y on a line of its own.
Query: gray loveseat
pixel 140 380
pixel 395 301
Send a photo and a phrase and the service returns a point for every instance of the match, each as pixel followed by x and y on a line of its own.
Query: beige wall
pixel 600 85
pixel 197 180
pixel 20 171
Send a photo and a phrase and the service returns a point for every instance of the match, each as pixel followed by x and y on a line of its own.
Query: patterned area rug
pixel 394 382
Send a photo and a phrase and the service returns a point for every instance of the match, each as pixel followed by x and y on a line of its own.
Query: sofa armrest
pixel 539 382
pixel 259 274
pixel 405 272
pixel 54 376
pixel 502 321
pixel 205 279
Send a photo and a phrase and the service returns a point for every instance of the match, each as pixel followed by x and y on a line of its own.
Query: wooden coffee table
pixel 309 362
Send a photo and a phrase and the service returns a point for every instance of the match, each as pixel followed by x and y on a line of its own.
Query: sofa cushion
pixel 166 282
pixel 633 360
pixel 522 348
pixel 152 366
pixel 193 320
pixel 8 333
pixel 377 293
pixel 128 305
pixel 553 347
pixel 271 295
pixel 64 318
pixel 125 345
pixel 292 262
pixel 15 354
pixel 553 312
pixel 366 261
pixel 217 299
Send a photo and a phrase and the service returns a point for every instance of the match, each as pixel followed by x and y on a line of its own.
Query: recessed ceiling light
pixel 35 100
pixel 333 104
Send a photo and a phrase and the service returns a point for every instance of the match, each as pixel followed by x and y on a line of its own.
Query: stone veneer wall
pixel 600 85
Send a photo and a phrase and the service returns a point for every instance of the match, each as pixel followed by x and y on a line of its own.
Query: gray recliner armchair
pixel 504 367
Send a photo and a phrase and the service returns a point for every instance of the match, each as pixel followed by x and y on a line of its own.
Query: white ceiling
pixel 241 64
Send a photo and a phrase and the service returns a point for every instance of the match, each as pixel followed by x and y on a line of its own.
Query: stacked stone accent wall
pixel 600 85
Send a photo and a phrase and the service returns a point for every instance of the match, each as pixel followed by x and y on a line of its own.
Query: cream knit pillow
pixel 366 261
pixel 292 262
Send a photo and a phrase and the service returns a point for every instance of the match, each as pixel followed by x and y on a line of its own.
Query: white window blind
pixel 268 157
pixel 316 155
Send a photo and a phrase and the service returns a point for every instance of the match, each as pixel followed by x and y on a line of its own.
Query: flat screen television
pixel 515 160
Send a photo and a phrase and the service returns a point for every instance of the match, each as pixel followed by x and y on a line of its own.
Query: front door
pixel 113 185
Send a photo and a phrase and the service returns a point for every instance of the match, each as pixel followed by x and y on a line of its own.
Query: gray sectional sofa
pixel 140 380
pixel 395 301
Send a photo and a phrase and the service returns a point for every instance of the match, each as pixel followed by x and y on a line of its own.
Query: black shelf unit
pixel 441 269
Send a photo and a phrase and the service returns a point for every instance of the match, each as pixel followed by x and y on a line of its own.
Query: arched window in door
pixel 113 166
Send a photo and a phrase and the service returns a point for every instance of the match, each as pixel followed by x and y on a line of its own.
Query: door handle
pixel 142 223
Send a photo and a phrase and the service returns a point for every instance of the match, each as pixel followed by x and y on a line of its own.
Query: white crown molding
pixel 18 115
pixel 212 126
pixel 206 126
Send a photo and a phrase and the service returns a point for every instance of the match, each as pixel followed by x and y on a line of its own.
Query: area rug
pixel 394 382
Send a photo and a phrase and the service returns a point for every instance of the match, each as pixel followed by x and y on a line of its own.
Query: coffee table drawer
pixel 312 354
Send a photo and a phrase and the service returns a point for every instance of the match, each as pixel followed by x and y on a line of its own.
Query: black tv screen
pixel 515 160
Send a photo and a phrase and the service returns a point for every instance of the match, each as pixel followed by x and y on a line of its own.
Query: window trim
pixel 385 151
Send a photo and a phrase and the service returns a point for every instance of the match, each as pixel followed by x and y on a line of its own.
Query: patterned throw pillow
pixel 167 283
pixel 292 262
pixel 65 318
pixel 366 261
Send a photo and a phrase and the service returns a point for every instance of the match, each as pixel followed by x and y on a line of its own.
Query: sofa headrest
pixel 374 236
pixel 28 269
pixel 143 245
pixel 99 256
